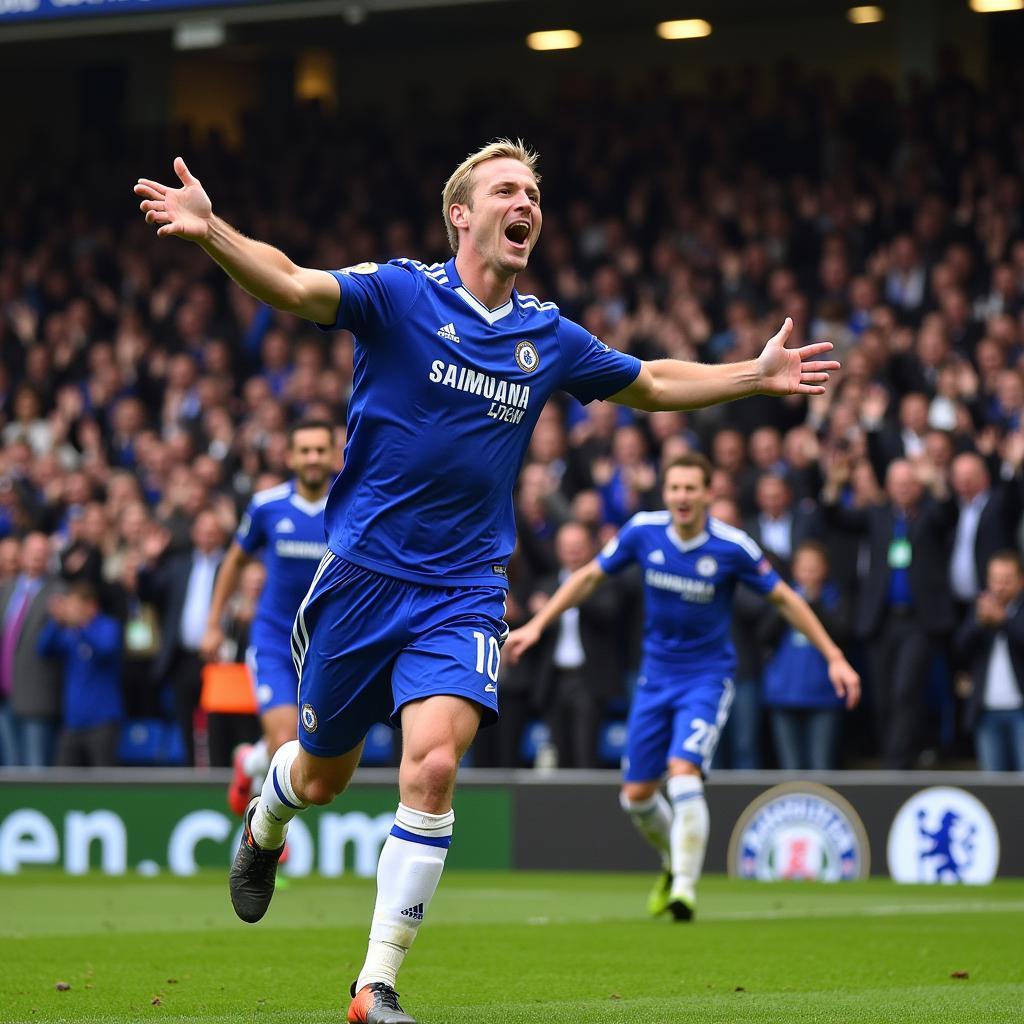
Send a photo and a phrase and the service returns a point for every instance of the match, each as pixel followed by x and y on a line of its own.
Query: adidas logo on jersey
pixel 285 526
pixel 656 557
pixel 416 913
pixel 448 333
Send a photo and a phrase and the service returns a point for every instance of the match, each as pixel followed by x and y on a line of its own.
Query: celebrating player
pixel 286 523
pixel 403 621
pixel 691 565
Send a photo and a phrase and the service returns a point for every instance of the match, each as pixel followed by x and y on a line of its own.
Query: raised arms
pixel 677 384
pixel 263 271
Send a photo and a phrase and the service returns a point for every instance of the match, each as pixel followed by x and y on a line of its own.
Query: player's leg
pixel 648 732
pixel 702 709
pixel 436 732
pixel 444 684
pixel 344 643
pixel 274 683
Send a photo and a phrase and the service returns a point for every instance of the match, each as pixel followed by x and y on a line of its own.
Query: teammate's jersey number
pixel 703 739
pixel 488 655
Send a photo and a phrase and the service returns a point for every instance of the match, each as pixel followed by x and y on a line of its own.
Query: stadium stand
pixel 138 387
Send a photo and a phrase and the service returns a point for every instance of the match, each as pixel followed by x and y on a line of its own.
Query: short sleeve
pixel 374 297
pixel 592 369
pixel 619 552
pixel 251 532
pixel 754 569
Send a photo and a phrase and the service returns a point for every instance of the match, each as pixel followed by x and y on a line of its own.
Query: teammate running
pixel 403 621
pixel 286 524
pixel 691 566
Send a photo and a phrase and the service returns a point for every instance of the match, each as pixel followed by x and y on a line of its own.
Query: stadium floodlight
pixel 687 28
pixel 555 39
pixel 995 6
pixel 199 35
pixel 866 14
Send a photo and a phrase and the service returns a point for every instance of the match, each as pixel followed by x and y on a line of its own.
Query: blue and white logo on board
pixel 943 835
pixel 799 830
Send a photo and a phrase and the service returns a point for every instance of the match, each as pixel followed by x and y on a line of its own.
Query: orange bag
pixel 228 690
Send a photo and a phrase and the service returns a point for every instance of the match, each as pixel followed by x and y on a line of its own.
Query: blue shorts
pixel 366 644
pixel 273 675
pixel 674 715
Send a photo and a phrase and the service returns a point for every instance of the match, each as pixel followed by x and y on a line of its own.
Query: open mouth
pixel 518 232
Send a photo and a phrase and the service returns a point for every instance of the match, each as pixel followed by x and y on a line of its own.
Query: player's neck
pixel 689 531
pixel 485 283
pixel 309 493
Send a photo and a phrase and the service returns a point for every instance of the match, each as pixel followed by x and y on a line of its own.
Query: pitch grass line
pixel 864 953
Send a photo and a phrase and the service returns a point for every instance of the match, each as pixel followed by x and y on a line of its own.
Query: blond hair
pixel 458 188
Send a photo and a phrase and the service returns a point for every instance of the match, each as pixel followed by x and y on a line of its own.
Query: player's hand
pixel 845 680
pixel 185 212
pixel 209 647
pixel 793 371
pixel 518 642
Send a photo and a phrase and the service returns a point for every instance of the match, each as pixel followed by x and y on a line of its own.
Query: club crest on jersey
pixel 368 267
pixel 706 566
pixel 527 357
pixel 308 718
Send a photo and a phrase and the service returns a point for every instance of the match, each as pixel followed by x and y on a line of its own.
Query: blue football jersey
pixel 288 533
pixel 688 587
pixel 445 396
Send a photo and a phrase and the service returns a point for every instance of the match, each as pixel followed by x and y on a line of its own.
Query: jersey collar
pixel 492 316
pixel 311 508
pixel 686 545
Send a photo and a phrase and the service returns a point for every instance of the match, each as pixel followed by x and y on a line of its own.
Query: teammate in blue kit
pixel 285 526
pixel 403 621
pixel 691 565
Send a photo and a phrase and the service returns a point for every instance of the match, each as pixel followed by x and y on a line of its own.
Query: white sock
pixel 653 820
pixel 278 802
pixel 256 764
pixel 690 827
pixel 408 871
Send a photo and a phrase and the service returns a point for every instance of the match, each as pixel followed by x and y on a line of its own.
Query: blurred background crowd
pixel 144 399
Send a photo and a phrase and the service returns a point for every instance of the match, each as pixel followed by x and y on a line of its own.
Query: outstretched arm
pixel 677 384
pixel 574 591
pixel 798 613
pixel 227 583
pixel 260 269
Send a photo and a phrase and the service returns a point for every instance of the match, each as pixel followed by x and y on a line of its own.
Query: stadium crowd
pixel 144 399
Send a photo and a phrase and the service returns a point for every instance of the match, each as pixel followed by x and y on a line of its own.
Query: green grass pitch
pixel 507 948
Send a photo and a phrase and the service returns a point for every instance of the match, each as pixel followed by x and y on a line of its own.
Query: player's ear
pixel 458 213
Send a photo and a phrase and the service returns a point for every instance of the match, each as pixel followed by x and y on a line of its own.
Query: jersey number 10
pixel 487 651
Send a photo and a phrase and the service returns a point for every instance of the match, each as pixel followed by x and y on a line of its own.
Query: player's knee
pixel 434 772
pixel 677 766
pixel 319 791
pixel 636 792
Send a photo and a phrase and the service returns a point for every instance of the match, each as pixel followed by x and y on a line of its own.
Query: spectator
pixel 988 517
pixel 88 646
pixel 10 559
pixel 904 608
pixel 992 642
pixel 806 715
pixel 181 586
pixel 32 684
pixel 580 666
pixel 778 527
